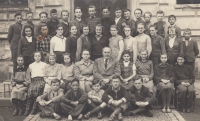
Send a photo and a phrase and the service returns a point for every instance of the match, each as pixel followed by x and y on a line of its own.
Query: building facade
pixel 187 12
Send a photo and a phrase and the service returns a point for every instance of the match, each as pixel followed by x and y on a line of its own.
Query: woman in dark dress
pixel 164 78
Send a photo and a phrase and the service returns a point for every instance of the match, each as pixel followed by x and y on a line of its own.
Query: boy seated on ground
pixel 141 98
pixel 116 98
pixel 95 99
pixel 49 102
pixel 74 102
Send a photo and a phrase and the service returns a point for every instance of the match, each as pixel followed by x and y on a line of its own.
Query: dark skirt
pixel 36 87
pixel 162 86
pixel 59 57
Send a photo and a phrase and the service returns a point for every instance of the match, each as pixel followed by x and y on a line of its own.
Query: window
pixel 13 3
pixel 188 1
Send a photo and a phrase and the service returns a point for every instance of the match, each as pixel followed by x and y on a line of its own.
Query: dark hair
pixel 29 13
pixel 156 28
pixel 160 12
pixel 148 13
pixel 17 14
pixel 64 11
pixel 53 11
pixel 55 81
pixel 43 13
pixel 127 26
pixel 139 10
pixel 85 50
pixel 38 52
pixel 106 7
pixel 74 80
pixel 125 52
pixel 171 16
pixel 91 6
pixel 19 56
pixel 137 77
pixel 81 29
pixel 187 30
pixel 59 25
pixel 67 54
pixel 78 8
pixel 25 27
pixel 96 81
pixel 115 77
pixel 126 10
pixel 116 9
pixel 71 26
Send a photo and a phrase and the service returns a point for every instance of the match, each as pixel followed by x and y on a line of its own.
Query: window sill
pixel 180 6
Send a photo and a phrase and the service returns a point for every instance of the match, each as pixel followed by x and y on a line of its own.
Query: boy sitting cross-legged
pixel 116 98
pixel 49 102
pixel 95 99
pixel 74 102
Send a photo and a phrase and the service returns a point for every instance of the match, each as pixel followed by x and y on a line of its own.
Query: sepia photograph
pixel 99 60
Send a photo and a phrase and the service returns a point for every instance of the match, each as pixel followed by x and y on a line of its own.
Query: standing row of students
pixel 136 45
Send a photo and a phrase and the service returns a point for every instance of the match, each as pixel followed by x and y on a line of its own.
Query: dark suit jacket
pixel 175 51
pixel 14 35
pixel 99 71
pixel 191 50
pixel 119 25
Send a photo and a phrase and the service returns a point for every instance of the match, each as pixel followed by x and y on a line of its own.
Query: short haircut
pixel 50 55
pixel 154 26
pixel 171 16
pixel 114 26
pixel 72 26
pixel 160 12
pixel 77 8
pixel 96 81
pixel 141 23
pixel 108 48
pixel 115 77
pixel 39 53
pixel 17 14
pixel 99 25
pixel 74 80
pixel 64 11
pixel 91 6
pixel 29 13
pixel 148 13
pixel 55 81
pixel 43 13
pixel 187 30
pixel 126 10
pixel 137 77
pixel 20 56
pixel 25 27
pixel 139 10
pixel 143 50
pixel 116 9
pixel 53 11
pixel 127 26
pixel 106 7
pixel 163 54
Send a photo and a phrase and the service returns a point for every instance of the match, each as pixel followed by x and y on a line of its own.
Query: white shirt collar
pixel 29 39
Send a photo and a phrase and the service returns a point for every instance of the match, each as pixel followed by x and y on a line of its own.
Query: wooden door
pixel 99 4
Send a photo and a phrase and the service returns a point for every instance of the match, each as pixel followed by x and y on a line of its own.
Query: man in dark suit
pixel 190 48
pixel 119 20
pixel 105 68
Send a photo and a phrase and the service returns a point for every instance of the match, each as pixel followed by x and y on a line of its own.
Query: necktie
pixel 106 63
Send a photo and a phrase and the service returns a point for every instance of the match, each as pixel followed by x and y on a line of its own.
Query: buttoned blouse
pixel 83 70
pixel 59 43
pixel 67 72
pixel 52 71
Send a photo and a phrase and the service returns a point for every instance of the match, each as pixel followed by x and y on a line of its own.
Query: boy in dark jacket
pixel 116 98
pixel 141 98
pixel 74 101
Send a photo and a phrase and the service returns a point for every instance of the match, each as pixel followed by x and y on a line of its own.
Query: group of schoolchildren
pixel 53 63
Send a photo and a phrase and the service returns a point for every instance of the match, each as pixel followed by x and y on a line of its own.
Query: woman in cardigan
pixel 27 45
pixel 164 78
pixel 83 42
pixel 84 71
pixel 144 68
pixel 184 82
